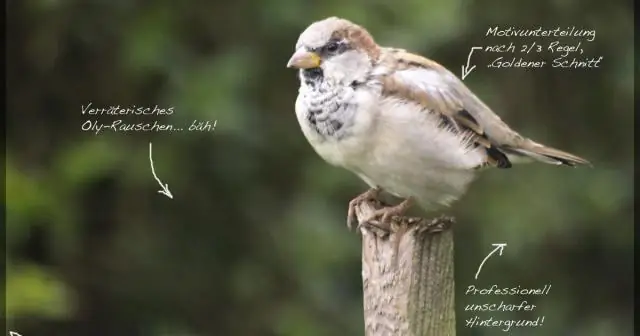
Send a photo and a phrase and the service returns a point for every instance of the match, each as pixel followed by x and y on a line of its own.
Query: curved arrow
pixel 499 247
pixel 165 187
pixel 465 69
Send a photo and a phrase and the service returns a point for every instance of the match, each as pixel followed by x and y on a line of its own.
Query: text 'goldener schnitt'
pixel 539 47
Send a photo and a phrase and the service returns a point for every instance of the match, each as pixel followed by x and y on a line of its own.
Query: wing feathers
pixel 451 114
pixel 429 84
pixel 550 155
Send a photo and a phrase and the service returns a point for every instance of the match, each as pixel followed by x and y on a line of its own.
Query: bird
pixel 401 122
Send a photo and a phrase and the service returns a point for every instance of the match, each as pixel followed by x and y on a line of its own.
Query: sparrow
pixel 401 122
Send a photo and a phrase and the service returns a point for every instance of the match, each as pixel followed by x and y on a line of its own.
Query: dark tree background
pixel 254 241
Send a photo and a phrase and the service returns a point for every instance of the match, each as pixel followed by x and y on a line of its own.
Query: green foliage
pixel 35 291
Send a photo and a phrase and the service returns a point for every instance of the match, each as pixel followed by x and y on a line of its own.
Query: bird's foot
pixel 368 195
pixel 383 216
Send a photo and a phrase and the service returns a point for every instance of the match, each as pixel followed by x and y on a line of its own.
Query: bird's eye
pixel 332 47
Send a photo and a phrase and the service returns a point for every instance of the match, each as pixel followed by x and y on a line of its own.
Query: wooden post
pixel 410 293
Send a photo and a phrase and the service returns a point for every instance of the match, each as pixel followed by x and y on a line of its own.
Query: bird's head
pixel 335 50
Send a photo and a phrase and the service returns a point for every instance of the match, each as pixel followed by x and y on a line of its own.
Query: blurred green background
pixel 254 241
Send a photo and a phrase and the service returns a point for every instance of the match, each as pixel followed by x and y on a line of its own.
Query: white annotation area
pixel 507 312
pixel 534 48
pixel 134 118
pixel 97 126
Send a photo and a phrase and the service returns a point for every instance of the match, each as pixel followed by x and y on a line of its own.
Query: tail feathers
pixel 548 155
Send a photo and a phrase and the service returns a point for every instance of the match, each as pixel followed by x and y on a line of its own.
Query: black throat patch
pixel 328 113
pixel 312 77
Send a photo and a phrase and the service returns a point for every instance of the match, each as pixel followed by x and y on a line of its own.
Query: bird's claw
pixel 383 216
pixel 386 228
pixel 370 194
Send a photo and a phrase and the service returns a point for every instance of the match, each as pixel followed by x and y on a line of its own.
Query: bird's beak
pixel 303 59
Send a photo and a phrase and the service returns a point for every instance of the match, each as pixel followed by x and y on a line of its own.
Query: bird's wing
pixel 431 85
